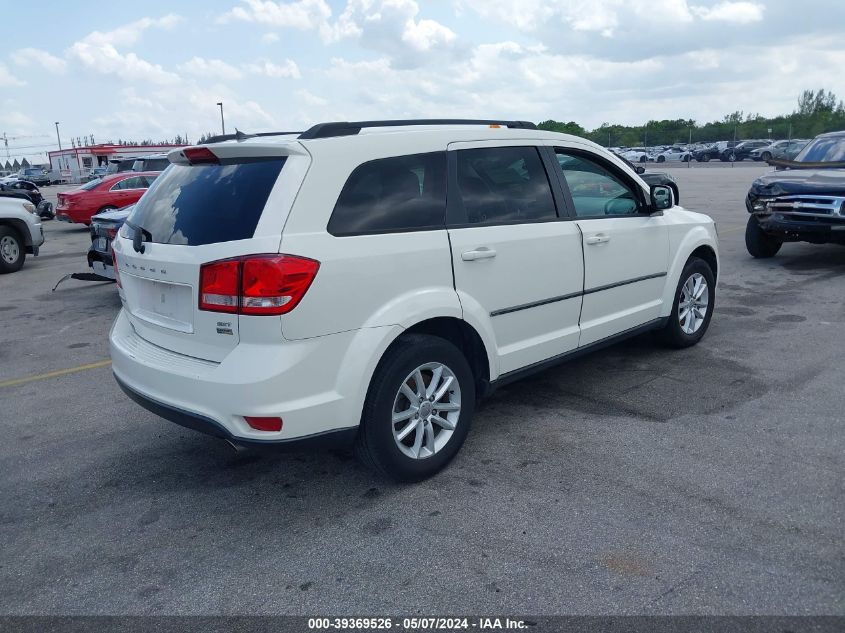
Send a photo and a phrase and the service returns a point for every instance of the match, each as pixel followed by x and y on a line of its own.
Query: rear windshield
pixel 91 185
pixel 206 204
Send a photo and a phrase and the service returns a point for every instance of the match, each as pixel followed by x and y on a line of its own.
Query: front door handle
pixel 479 253
pixel 601 238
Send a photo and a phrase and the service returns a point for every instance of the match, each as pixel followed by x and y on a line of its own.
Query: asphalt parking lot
pixel 636 480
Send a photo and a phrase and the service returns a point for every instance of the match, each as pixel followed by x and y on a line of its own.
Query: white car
pixel 636 155
pixel 673 154
pixel 325 287
pixel 20 233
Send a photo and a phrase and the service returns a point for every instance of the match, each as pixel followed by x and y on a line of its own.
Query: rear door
pixel 191 215
pixel 626 250
pixel 516 255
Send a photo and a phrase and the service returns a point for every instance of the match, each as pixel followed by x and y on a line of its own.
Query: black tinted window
pixel 206 204
pixel 504 185
pixel 403 193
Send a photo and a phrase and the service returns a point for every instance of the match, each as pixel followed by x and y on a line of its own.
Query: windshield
pixel 830 149
pixel 206 204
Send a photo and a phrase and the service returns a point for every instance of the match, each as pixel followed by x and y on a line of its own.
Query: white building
pixel 76 162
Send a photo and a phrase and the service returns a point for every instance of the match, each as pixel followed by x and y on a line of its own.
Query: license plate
pixel 166 304
pixel 101 244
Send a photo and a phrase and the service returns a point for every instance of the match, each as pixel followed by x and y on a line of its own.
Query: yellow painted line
pixel 53 374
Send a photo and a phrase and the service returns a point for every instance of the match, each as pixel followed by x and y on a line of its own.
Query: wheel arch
pixel 20 227
pixel 467 339
pixel 700 242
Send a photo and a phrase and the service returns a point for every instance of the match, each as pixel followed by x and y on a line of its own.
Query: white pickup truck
pixel 20 233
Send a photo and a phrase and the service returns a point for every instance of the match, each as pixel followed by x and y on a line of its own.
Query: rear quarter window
pixel 206 204
pixel 401 193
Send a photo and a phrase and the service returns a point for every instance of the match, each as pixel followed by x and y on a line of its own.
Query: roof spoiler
pixel 242 136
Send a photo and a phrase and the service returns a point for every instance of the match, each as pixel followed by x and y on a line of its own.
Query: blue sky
pixel 156 69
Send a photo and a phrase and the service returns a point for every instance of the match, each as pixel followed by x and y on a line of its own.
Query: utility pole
pixel 58 138
pixel 222 122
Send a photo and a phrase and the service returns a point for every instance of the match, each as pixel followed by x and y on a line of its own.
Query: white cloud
pixel 423 35
pixel 215 68
pixel 35 56
pixel 733 12
pixel 7 79
pixel 270 69
pixel 129 34
pixel 303 14
pixel 99 52
pixel 270 38
pixel 311 99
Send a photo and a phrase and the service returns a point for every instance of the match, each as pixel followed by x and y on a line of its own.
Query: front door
pixel 626 250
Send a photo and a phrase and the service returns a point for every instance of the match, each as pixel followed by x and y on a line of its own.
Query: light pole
pixel 58 138
pixel 222 122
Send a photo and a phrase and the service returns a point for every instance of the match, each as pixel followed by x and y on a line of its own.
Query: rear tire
pixel 388 411
pixel 12 250
pixel 759 244
pixel 691 314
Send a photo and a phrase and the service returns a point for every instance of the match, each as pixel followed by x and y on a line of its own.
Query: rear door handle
pixel 479 253
pixel 597 239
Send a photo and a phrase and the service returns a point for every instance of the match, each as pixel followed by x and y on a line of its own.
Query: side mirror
pixel 662 197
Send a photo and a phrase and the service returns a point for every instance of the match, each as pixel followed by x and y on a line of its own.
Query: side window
pixel 402 193
pixel 119 186
pixel 503 185
pixel 595 190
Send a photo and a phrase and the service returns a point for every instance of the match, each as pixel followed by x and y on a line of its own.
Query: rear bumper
pixel 73 217
pixel 315 385
pixel 197 422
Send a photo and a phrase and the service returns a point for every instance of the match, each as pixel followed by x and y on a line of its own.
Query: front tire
pixel 760 245
pixel 12 250
pixel 766 156
pixel 695 298
pixel 418 409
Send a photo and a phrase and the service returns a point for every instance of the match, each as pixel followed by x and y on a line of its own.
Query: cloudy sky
pixel 155 69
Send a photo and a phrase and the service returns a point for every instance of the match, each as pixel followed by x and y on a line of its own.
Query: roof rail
pixel 351 128
pixel 242 136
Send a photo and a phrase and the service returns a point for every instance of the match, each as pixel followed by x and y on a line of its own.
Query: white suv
pixel 370 281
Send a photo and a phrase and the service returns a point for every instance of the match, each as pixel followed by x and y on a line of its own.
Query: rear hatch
pixel 221 202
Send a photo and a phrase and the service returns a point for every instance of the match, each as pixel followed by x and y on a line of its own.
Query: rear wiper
pixel 139 236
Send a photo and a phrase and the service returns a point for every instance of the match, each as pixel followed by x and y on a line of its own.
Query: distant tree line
pixel 817 112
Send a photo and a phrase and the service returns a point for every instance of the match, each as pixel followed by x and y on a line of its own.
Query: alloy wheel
pixel 10 250
pixel 694 303
pixel 426 410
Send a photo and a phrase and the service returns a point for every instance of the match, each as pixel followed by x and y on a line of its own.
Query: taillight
pixel 200 156
pixel 220 286
pixel 114 267
pixel 256 284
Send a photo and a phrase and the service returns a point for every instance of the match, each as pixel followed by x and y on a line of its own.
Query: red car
pixel 103 194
